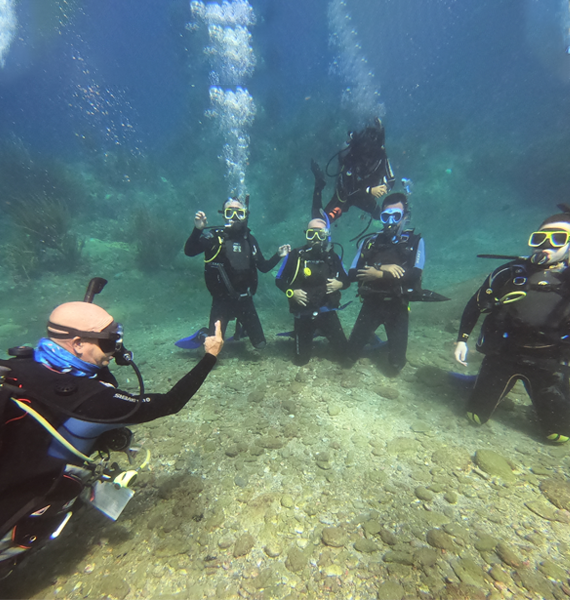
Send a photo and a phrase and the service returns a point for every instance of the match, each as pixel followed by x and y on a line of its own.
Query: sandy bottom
pixel 318 482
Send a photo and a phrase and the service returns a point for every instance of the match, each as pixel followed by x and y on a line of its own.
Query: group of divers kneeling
pixel 62 414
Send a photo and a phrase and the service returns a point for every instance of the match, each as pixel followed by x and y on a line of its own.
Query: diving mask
pixel 114 342
pixel 109 340
pixel 556 239
pixel 320 234
pixel 391 216
pixel 232 212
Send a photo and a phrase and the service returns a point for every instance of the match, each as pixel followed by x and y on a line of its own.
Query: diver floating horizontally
pixel 364 175
pixel 388 268
pixel 526 332
pixel 232 258
pixel 312 277
pixel 59 404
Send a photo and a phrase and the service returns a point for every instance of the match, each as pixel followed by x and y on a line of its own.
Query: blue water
pixel 115 94
pixel 103 108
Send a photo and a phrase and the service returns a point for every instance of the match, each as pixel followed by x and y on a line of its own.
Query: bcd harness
pixel 401 253
pixel 76 435
pixel 218 266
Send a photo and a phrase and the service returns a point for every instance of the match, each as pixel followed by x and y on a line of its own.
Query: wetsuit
pixel 525 336
pixel 358 174
pixel 32 461
pixel 385 301
pixel 308 269
pixel 231 261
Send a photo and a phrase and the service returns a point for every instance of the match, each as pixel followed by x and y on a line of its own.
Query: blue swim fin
pixel 375 343
pixel 463 381
pixel 194 341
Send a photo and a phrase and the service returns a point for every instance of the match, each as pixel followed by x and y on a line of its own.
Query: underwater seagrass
pixel 157 242
pixel 43 223
pixel 19 257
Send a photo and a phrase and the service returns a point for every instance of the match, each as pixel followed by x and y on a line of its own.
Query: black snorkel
pixel 539 258
pixel 95 287
pixel 122 356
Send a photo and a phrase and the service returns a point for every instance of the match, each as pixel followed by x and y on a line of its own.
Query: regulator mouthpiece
pixel 539 258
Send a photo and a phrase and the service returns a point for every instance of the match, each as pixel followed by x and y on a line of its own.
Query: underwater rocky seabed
pixel 318 482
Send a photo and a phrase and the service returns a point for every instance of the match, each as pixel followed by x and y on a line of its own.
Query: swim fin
pixel 194 341
pixel 375 343
pixel 427 296
pixel 463 381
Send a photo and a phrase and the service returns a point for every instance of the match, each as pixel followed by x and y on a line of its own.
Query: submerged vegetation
pixel 37 194
pixel 41 235
pixel 157 242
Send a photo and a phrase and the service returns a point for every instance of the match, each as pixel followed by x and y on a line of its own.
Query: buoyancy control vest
pixel 312 269
pixel 529 311
pixel 231 269
pixel 28 449
pixel 363 163
pixel 377 250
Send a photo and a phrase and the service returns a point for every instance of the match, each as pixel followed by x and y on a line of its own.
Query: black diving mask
pixel 113 343
pixel 109 340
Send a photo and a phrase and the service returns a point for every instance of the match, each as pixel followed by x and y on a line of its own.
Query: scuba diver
pixel 388 268
pixel 59 404
pixel 231 259
pixel 526 331
pixel 364 175
pixel 312 277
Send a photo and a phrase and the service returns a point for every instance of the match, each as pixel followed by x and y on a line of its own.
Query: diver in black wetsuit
pixel 526 332
pixel 388 267
pixel 312 277
pixel 231 259
pixel 364 175
pixel 45 465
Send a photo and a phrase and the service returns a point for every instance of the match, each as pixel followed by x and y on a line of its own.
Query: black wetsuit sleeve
pixel 195 244
pixel 469 318
pixel 481 301
pixel 111 403
pixel 175 400
pixel 264 265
